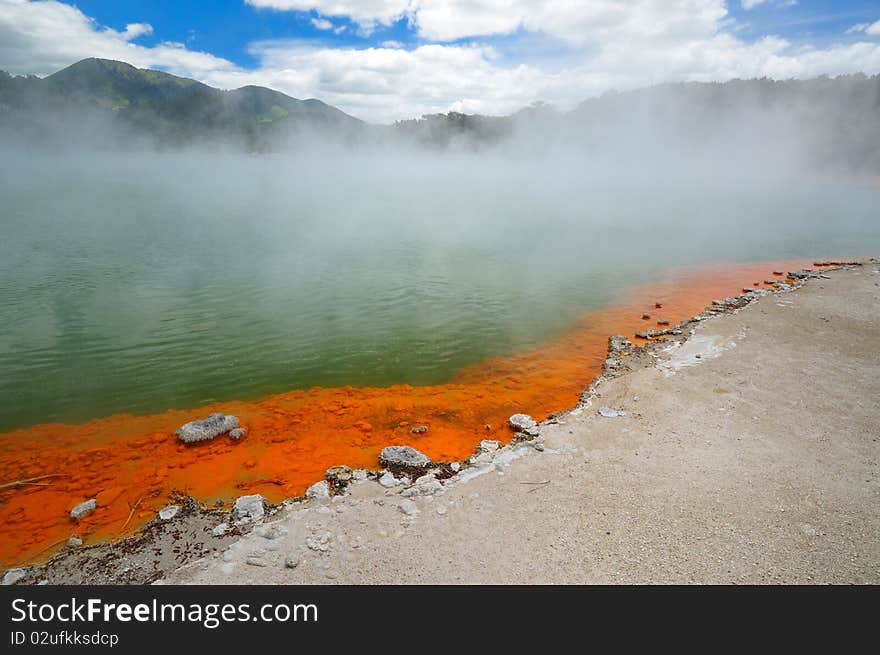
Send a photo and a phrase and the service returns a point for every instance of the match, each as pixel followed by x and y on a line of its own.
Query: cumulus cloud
pixel 572 20
pixel 42 37
pixel 322 24
pixel 610 45
pixel 134 30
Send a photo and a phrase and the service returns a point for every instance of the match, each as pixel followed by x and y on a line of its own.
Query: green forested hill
pixel 825 121
pixel 112 99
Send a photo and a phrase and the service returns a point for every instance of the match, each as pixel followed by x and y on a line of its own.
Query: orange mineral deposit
pixel 132 464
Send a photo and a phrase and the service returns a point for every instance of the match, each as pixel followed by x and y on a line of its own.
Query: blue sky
pixel 387 59
pixel 226 27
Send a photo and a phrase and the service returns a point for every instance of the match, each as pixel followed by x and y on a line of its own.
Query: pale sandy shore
pixel 756 462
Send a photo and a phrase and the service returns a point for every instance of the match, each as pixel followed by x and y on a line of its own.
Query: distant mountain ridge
pixel 174 110
pixel 99 102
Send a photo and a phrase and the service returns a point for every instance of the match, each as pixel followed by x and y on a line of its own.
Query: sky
pixel 385 60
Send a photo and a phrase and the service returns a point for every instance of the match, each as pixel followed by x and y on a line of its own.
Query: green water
pixel 137 284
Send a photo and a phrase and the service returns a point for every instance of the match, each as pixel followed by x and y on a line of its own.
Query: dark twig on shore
pixel 536 485
pixel 29 482
pixel 131 513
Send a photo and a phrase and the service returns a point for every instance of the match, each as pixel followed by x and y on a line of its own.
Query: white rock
pixel 408 507
pixel 403 456
pixel 455 466
pixel 169 512
pixel 319 543
pixel 206 429
pixel 424 486
pixel 441 510
pixel 13 575
pixel 220 530
pixel 74 541
pixel 360 474
pixel 607 412
pixel 251 507
pixel 388 480
pixel 488 445
pixel 521 422
pixel 291 561
pixel 83 509
pixel 271 532
pixel 319 490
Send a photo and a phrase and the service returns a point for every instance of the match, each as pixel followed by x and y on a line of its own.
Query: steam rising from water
pixel 136 282
pixel 133 279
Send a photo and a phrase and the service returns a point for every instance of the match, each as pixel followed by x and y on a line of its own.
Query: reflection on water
pixel 140 284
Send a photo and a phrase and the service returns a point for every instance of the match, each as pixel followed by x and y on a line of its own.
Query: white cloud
pixel 872 29
pixel 573 20
pixel 42 37
pixel 611 45
pixel 322 24
pixel 134 30
pixel 364 12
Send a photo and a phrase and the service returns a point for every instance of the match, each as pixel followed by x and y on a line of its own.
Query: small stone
pixel 388 480
pixel 319 543
pixel 340 473
pixel 220 530
pixel 291 562
pixel 607 412
pixel 206 429
pixel 441 510
pixel 169 512
pixel 421 429
pixel 271 532
pixel 408 507
pixel 319 490
pixel 403 457
pixel 74 541
pixel 84 509
pixel 256 560
pixel 251 507
pixel 13 575
pixel 646 316
pixel 663 321
pixel 237 433
pixel 360 474
pixel 338 478
pixel 455 466
pixel 423 486
pixel 521 422
pixel 488 446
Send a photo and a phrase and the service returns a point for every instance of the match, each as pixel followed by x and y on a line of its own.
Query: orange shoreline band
pixel 131 464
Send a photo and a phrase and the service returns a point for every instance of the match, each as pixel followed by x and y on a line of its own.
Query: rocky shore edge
pixel 186 531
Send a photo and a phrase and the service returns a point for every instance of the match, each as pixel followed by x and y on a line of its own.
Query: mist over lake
pixel 141 282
